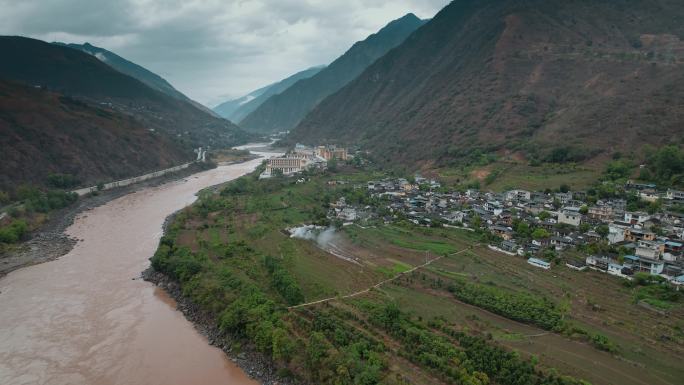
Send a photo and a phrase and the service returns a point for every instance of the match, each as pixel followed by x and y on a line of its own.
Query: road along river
pixel 87 318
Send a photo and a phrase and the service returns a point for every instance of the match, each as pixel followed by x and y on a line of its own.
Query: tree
pixel 332 165
pixel 316 350
pixel 602 230
pixel 584 227
pixel 476 222
pixel 666 164
pixel 544 215
pixel 4 198
pixel 584 210
pixel 283 346
pixel 617 170
pixel 540 233
pixel 522 229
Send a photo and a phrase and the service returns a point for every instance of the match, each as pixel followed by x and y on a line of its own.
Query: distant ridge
pixel 284 111
pixel 237 109
pixel 134 70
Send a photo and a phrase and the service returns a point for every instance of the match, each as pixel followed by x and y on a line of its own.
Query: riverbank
pixel 255 364
pixel 50 241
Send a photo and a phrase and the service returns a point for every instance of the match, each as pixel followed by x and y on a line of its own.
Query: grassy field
pixel 232 255
pixel 502 176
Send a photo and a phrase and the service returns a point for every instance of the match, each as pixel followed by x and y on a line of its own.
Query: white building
pixel 290 164
pixel 616 233
pixel 675 195
pixel 539 263
pixel 636 217
pixel 570 216
pixel 649 249
pixel 518 195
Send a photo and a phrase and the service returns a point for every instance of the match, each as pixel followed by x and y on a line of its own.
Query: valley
pixel 447 192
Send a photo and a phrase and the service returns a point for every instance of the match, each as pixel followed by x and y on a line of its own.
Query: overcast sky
pixel 212 50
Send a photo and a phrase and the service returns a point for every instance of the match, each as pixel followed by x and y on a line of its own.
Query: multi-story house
pixel 634 235
pixel 570 216
pixel 636 217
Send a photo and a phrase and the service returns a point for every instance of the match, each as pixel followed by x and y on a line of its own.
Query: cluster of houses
pixel 303 158
pixel 652 242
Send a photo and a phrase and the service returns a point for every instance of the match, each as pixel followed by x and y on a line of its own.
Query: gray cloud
pixel 212 50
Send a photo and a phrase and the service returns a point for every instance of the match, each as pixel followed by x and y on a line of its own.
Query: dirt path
pixel 377 285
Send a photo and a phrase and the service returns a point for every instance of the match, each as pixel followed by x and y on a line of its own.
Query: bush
pixel 43 202
pixel 283 281
pixel 13 232
pixel 517 306
pixel 62 181
pixel 568 154
pixel 666 165
pixel 601 342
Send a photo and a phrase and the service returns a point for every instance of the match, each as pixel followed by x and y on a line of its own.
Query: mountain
pixel 79 75
pixel 284 111
pixel 228 108
pixel 580 79
pixel 235 110
pixel 135 71
pixel 131 69
pixel 43 133
pixel 62 110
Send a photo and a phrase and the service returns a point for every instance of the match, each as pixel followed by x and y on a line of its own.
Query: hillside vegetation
pixel 472 317
pixel 77 74
pixel 64 111
pixel 44 133
pixel 546 81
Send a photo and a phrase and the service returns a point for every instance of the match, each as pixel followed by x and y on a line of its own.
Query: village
pixel 565 227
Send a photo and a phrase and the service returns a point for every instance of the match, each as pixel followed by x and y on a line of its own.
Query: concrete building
pixel 570 217
pixel 649 249
pixel 616 233
pixel 636 217
pixel 635 235
pixel 331 152
pixel 290 164
pixel 518 195
pixel 675 195
pixel 603 213
pixel 646 265
pixel 539 263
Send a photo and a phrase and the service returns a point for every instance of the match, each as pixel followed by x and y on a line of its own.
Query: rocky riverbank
pixel 50 241
pixel 255 364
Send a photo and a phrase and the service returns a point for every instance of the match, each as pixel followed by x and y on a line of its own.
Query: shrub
pixel 62 180
pixel 13 232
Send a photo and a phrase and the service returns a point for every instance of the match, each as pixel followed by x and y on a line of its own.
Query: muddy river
pixel 87 318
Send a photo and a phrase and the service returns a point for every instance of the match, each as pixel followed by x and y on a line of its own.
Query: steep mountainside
pixel 532 76
pixel 42 132
pixel 284 111
pixel 77 74
pixel 135 71
pixel 131 69
pixel 236 110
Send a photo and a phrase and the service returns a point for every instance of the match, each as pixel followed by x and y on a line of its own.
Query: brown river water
pixel 87 318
